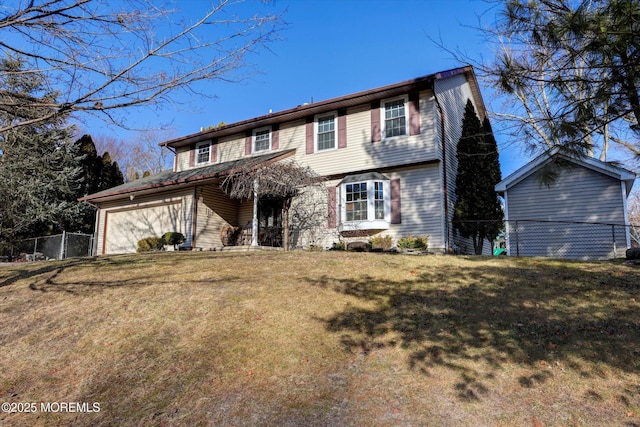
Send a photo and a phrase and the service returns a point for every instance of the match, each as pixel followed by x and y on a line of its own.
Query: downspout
pixel 444 172
pixel 175 157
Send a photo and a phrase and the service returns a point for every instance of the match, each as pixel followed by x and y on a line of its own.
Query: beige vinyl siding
pixel 182 154
pixel 215 210
pixel 124 222
pixel 292 135
pixel 231 148
pixel 362 154
pixel 245 214
pixel 578 195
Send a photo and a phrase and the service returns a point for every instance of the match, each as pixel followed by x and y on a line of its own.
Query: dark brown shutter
pixel 309 135
pixel 414 113
pixel 192 155
pixel 342 128
pixel 214 151
pixel 275 137
pixel 332 213
pixel 248 137
pixel 375 122
pixel 395 202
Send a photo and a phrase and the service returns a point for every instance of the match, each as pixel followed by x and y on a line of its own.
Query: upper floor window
pixel 203 153
pixel 395 118
pixel 262 139
pixel 326 132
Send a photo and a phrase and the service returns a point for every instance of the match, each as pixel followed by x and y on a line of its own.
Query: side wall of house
pixel 123 222
pixel 452 94
pixel 560 211
pixel 214 211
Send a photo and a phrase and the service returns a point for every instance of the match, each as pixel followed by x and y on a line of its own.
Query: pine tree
pixel 38 172
pixel 98 173
pixel 477 212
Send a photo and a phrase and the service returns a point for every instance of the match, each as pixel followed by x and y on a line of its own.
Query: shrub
pixel 338 246
pixel 173 238
pixel 420 243
pixel 149 244
pixel 381 242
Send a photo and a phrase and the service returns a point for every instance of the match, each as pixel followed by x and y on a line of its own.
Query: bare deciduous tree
pixel 284 180
pixel 102 56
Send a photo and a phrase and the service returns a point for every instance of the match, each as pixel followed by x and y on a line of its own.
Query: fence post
pixel 62 244
pixel 35 248
pixel 517 241
pixel 613 235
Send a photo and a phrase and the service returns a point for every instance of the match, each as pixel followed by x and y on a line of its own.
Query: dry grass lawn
pixel 321 339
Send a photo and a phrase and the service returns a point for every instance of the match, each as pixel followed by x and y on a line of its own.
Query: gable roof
pixel 171 180
pixel 346 101
pixel 553 155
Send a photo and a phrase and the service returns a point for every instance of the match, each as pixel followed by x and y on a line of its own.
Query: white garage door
pixel 125 228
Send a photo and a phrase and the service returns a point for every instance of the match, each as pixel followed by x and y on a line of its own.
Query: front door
pixel 270 222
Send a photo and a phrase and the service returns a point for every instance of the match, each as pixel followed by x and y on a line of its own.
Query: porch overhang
pixel 169 180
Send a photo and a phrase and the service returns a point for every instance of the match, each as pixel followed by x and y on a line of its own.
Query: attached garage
pixel 124 227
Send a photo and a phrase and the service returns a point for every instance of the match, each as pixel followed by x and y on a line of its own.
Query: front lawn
pixel 320 339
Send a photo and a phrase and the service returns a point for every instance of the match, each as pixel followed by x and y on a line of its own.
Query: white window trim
pixel 370 223
pixel 198 147
pixel 383 133
pixel 253 139
pixel 335 131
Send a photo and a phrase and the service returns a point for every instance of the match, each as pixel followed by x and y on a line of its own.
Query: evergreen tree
pixel 477 212
pixel 38 172
pixel 98 173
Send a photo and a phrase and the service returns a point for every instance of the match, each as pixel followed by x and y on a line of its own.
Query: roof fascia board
pixel 301 111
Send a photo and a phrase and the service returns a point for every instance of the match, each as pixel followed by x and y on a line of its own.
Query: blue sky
pixel 332 48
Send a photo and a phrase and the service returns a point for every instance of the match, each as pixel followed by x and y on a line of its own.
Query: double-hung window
pixel 326 132
pixel 261 139
pixel 394 118
pixel 203 153
pixel 365 202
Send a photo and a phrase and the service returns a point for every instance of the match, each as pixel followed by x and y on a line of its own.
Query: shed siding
pixel 579 195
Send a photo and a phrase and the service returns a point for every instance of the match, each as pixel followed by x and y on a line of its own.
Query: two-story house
pixel 388 156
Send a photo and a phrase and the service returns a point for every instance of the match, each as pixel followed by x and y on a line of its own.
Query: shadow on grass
pixel 51 275
pixel 476 320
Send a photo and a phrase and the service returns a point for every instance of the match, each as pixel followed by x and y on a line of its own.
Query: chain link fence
pixel 59 246
pixel 565 239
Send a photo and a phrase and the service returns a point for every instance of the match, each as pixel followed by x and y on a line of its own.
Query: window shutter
pixel 332 213
pixel 247 143
pixel 309 135
pixel 192 155
pixel 275 137
pixel 214 151
pixel 395 202
pixel 342 128
pixel 375 122
pixel 414 113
